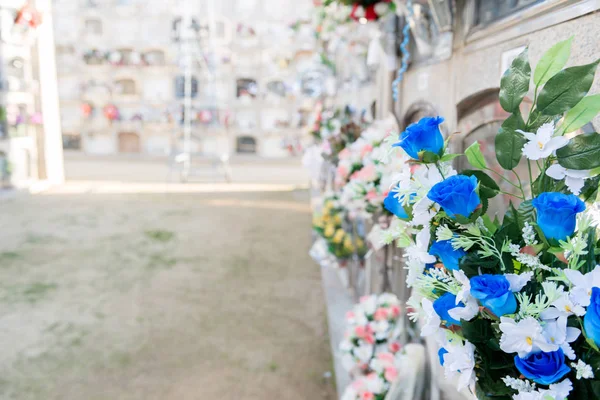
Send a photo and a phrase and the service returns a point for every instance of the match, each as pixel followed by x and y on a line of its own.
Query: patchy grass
pixel 160 235
pixel 273 367
pixel 159 260
pixel 30 293
pixel 9 256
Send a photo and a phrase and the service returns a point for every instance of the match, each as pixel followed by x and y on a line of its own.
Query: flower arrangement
pixel 329 225
pixel 370 10
pixel 513 302
pixel 370 349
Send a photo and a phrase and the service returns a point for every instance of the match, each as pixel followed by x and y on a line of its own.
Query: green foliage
pixel 475 156
pixel 526 213
pixel 552 61
pixel 509 143
pixel 581 114
pixel 488 188
pixel 565 89
pixel 582 152
pixel 514 84
pixel 477 330
pixel 428 157
pixel 449 157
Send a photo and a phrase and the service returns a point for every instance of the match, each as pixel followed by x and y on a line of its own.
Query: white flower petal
pixel 518 281
pixel 556 171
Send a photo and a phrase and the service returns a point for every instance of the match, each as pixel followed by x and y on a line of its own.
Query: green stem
pixel 520 183
pixel 503 178
pixel 535 93
pixel 530 176
pixel 437 165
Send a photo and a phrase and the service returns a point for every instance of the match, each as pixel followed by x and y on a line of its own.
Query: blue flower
pixel 443 304
pixel 424 135
pixel 394 205
pixel 556 214
pixel 443 250
pixel 543 368
pixel 493 291
pixel 441 353
pixel 591 321
pixel 456 195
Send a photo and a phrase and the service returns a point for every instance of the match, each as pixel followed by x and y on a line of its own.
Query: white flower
pixel 542 144
pixel 432 320
pixel 583 370
pixel 375 384
pixel 529 235
pixel 468 312
pixel 423 212
pixel 583 284
pixel 557 332
pixel 563 306
pixel 574 179
pixel 557 391
pixel 364 352
pixel 459 363
pixel 518 281
pixel 369 304
pixel 519 384
pixel 523 337
pixel 381 329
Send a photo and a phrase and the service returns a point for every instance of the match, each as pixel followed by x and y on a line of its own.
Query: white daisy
pixel 574 179
pixel 541 144
pixel 523 337
pixel 583 284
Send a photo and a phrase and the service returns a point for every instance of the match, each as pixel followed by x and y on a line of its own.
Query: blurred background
pixel 155 211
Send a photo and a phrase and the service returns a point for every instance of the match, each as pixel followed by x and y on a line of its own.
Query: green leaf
pixel 449 157
pixel 475 156
pixel 552 61
pixel 428 157
pixel 509 143
pixel 476 331
pixel 526 213
pixel 514 84
pixel 582 152
pixel 488 187
pixel 565 89
pixel 581 114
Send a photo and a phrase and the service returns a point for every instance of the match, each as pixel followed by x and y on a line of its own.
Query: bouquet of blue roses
pixel 512 300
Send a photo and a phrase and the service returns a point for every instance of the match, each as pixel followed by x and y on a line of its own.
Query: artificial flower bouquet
pixel 329 224
pixel 370 10
pixel 370 349
pixel 512 300
pixel 339 132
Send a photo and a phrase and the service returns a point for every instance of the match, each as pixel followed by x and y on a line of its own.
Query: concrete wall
pixel 472 70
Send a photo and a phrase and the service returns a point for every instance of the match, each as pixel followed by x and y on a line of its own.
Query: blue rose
pixel 424 135
pixel 493 291
pixel 441 353
pixel 443 250
pixel 591 320
pixel 556 213
pixel 456 195
pixel 444 303
pixel 394 205
pixel 543 368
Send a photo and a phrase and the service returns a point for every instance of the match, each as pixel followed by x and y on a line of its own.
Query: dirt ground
pixel 159 297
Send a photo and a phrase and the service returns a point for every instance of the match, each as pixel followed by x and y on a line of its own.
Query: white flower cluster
pixel 370 349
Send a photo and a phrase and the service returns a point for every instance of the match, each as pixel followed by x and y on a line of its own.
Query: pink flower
pixel 395 311
pixel 349 315
pixel 344 154
pixel 394 347
pixel 360 331
pixel 342 171
pixel 372 194
pixel 380 314
pixel 391 373
pixel 366 150
pixel 370 338
pixel 367 396
pixel 386 358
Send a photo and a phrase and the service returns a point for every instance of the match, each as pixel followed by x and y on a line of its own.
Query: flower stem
pixel 437 165
pixel 530 176
pixel 520 183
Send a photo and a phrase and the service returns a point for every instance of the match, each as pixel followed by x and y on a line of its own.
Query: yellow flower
pixel 337 219
pixel 329 230
pixel 348 245
pixel 339 236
